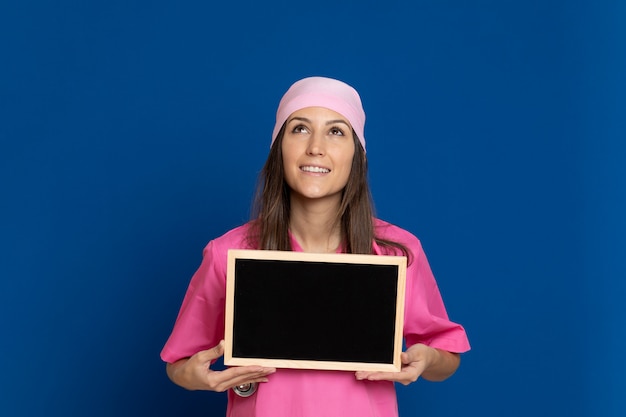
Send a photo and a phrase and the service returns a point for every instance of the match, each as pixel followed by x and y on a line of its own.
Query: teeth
pixel 316 169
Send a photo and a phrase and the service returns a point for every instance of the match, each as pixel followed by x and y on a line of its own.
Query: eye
pixel 299 129
pixel 335 131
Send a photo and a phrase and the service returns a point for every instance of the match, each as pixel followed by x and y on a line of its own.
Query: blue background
pixel 132 132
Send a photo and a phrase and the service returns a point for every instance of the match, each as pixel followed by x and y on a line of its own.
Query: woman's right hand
pixel 194 373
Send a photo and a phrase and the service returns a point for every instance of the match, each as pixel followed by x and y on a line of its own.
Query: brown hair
pixel 271 210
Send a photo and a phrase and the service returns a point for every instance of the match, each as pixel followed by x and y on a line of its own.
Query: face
pixel 317 149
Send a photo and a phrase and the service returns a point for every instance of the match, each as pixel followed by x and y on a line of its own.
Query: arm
pixel 419 361
pixel 442 366
pixel 194 373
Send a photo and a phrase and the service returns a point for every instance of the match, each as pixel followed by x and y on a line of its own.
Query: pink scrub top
pixel 308 393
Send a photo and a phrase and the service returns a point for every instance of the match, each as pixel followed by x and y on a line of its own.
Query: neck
pixel 314 225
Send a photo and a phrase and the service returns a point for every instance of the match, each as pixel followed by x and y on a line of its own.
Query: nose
pixel 316 145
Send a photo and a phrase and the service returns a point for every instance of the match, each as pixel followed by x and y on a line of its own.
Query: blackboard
pixel 314 311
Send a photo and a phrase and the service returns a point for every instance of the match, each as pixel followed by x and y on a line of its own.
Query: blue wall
pixel 131 133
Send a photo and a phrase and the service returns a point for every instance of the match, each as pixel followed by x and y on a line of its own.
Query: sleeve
pixel 425 317
pixel 200 321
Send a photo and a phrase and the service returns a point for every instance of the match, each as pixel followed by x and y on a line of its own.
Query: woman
pixel 313 197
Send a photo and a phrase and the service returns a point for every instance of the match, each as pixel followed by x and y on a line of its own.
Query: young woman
pixel 313 197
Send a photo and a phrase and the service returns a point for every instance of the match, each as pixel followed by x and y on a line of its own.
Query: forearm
pixel 176 373
pixel 443 364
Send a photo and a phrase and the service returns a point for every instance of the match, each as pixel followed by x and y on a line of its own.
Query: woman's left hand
pixel 418 361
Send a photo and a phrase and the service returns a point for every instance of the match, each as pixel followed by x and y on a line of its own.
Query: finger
pixel 243 381
pixel 250 371
pixel 219 349
pixel 404 376
pixel 410 356
pixel 211 354
pixel 240 375
pixel 360 375
pixel 385 376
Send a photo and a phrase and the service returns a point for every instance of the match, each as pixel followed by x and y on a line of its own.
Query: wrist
pixel 179 374
pixel 442 364
pixel 434 357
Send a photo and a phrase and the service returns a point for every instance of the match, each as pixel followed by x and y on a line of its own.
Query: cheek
pixel 346 161
pixel 286 158
pixel 288 168
pixel 346 169
pixel 290 154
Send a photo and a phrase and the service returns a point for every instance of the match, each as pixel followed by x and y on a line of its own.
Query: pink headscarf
pixel 322 92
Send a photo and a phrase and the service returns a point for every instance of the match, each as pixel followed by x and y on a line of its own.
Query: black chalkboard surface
pixel 314 311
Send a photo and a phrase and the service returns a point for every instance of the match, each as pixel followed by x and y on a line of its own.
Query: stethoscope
pixel 245 390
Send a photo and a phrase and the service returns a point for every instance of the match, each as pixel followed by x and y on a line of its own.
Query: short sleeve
pixel 426 319
pixel 200 322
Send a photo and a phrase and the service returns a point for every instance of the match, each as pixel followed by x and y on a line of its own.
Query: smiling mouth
pixel 317 170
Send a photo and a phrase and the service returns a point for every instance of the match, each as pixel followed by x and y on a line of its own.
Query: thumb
pixel 213 353
pixel 218 350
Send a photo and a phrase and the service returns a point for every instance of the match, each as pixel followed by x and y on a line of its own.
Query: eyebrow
pixel 330 122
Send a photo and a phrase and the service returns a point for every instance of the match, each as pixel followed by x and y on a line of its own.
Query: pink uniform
pixel 304 393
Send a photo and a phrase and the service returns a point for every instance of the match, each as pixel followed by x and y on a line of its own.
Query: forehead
pixel 318 114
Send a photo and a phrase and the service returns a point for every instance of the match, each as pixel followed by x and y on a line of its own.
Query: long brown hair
pixel 271 209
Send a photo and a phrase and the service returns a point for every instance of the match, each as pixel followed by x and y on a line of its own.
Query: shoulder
pixel 237 238
pixel 387 231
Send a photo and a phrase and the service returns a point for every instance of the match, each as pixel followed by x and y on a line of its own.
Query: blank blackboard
pixel 314 311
